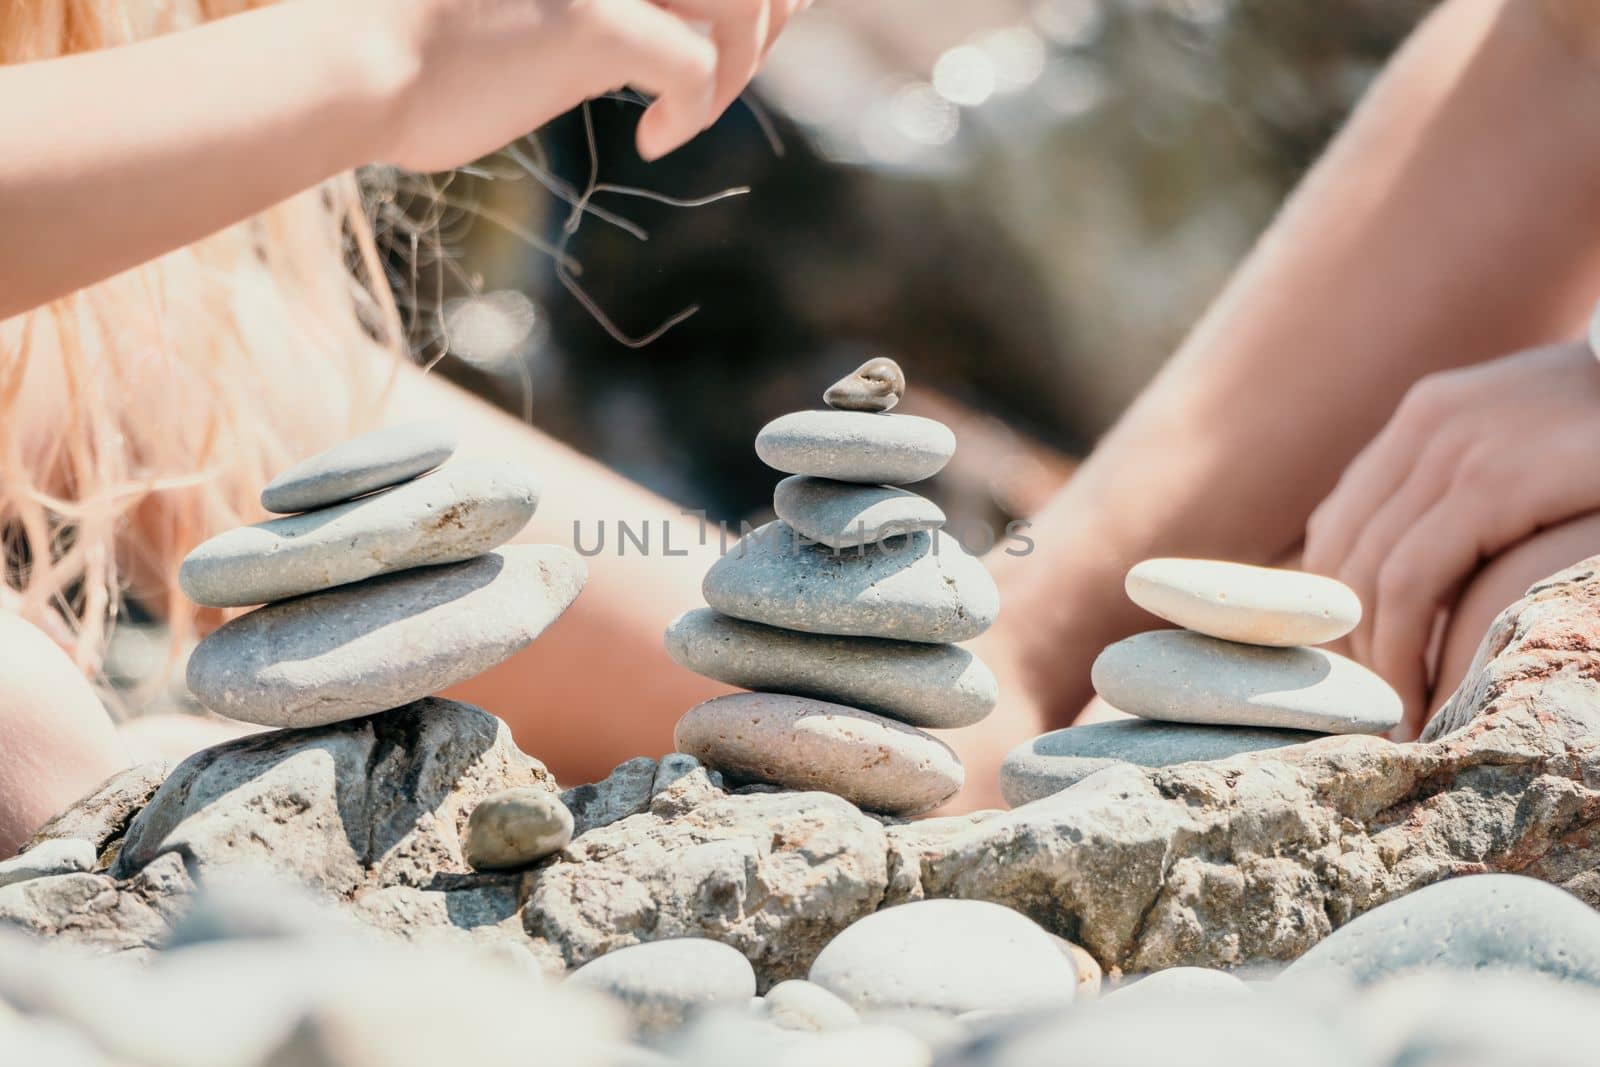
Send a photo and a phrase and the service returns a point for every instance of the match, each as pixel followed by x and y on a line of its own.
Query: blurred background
pixel 1025 202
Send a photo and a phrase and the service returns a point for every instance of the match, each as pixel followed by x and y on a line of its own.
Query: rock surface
pixel 856 446
pixel 663 982
pixel 1238 602
pixel 463 511
pixel 843 515
pixel 939 687
pixel 874 762
pixel 1051 762
pixel 516 828
pixel 926 588
pixel 1177 676
pixel 101 817
pixel 63 855
pixel 950 956
pixel 381 643
pixel 361 465
pixel 1489 922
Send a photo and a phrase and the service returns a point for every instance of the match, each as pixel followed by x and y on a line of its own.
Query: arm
pixel 1453 220
pixel 111 158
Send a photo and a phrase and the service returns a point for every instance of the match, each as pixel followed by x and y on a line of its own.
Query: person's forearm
pixel 1454 220
pixel 111 158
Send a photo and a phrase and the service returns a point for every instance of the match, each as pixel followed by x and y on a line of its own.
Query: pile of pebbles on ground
pixel 388 580
pixel 843 614
pixel 1240 676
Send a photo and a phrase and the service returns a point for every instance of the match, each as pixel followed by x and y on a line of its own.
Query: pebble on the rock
pixel 516 828
pixel 459 513
pixel 801 1005
pixel 873 762
pixel 61 855
pixel 952 956
pixel 876 385
pixel 856 446
pixel 662 983
pixel 1239 602
pixel 1470 923
pixel 845 515
pixel 926 588
pixel 1178 676
pixel 1059 759
pixel 1177 982
pixel 939 687
pixel 360 466
pixel 378 644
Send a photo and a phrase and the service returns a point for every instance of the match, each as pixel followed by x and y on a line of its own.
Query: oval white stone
pixel 939 687
pixel 463 511
pixel 662 983
pixel 951 956
pixel 873 762
pixel 1238 602
pixel 856 446
pixel 1180 676
pixel 922 587
pixel 361 465
pixel 381 643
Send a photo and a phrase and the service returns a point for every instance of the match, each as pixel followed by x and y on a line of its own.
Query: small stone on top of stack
pixel 843 614
pixel 1240 676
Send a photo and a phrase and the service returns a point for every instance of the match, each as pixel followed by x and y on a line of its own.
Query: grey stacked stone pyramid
pixel 843 615
pixel 1240 675
pixel 392 581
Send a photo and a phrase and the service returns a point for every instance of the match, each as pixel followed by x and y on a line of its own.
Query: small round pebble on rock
pixel 1059 759
pixel 801 1005
pixel 1177 982
pixel 359 466
pixel 924 588
pixel 1238 602
pixel 876 385
pixel 843 515
pixel 378 644
pixel 952 956
pixel 1471 923
pixel 856 446
pixel 873 762
pixel 516 828
pixel 1178 676
pixel 940 687
pixel 662 983
pixel 461 512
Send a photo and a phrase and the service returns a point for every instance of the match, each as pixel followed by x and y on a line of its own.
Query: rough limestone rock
pixel 1252 858
pixel 101 817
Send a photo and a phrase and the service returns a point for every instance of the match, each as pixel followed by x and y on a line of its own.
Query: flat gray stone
pixel 1238 602
pixel 378 644
pixel 844 515
pixel 516 828
pixel 923 587
pixel 625 791
pixel 873 762
pixel 856 446
pixel 1471 923
pixel 951 956
pixel 662 983
pixel 62 855
pixel 461 512
pixel 359 466
pixel 939 687
pixel 1180 676
pixel 1054 761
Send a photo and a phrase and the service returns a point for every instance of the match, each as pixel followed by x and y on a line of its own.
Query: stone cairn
pixel 388 579
pixel 1240 676
pixel 842 614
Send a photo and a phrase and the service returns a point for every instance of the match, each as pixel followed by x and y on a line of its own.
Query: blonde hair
pixel 143 414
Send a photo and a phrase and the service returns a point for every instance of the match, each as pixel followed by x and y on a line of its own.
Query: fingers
pixel 658 53
pixel 741 32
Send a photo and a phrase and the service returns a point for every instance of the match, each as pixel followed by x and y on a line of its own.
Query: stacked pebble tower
pixel 385 582
pixel 1240 676
pixel 843 613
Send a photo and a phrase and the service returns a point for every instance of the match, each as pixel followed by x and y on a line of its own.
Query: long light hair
pixel 143 414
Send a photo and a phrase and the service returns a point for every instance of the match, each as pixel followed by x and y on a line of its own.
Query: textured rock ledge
pixel 1247 859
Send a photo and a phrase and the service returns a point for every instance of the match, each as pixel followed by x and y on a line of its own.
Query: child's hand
pixel 472 75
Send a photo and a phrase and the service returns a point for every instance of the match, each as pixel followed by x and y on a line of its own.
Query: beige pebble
pixel 1239 602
